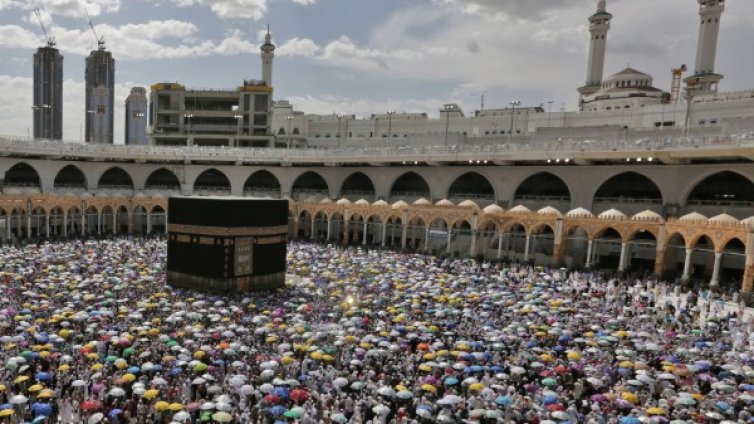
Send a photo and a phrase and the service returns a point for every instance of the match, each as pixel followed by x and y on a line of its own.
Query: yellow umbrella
pixel 656 411
pixel 45 394
pixel 429 388
pixel 287 360
pixel 626 364
pixel 630 397
pixel 573 355
pixel 476 387
pixel 64 367
pixel 6 413
pixel 199 354
pixel 545 358
pixel 151 394
pixel 36 388
pixel 161 406
pixel 425 367
pixel 328 358
pixel 2 387
pixel 97 367
pixel 128 378
pixel 175 407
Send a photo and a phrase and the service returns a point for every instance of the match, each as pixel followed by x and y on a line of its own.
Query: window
pixel 100 110
pixel 295 131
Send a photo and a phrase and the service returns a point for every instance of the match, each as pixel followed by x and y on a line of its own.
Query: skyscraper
pixel 136 117
pixel 48 93
pixel 100 96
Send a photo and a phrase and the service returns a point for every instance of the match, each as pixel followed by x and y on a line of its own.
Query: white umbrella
pixel 246 389
pixel 181 416
pixel 18 399
pixel 78 383
pixel 340 382
pixel 223 406
pixel 116 392
pixel 95 418
pixel 206 406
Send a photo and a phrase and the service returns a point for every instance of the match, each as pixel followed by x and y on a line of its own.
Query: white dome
pixel 579 213
pixel 519 209
pixel 468 204
pixel 311 199
pixel 444 202
pixel 325 201
pixel 362 202
pixel 400 205
pixel 549 210
pixel 493 209
pixel 344 202
pixel 724 218
pixel 612 214
pixel 693 216
pixel 380 203
pixel 647 215
pixel 422 202
pixel 748 221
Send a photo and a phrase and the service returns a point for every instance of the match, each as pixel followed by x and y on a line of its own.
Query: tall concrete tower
pixel 48 93
pixel 268 54
pixel 100 96
pixel 599 25
pixel 136 117
pixel 705 80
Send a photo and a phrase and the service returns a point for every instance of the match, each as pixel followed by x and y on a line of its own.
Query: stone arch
pixel 638 188
pixel 212 181
pixel 356 186
pixel 162 179
pixel 158 219
pixel 262 183
pixel 543 189
pixel 473 186
pixel 115 178
pixel 22 175
pixel 721 188
pixel 409 186
pixel 310 184
pixel 70 177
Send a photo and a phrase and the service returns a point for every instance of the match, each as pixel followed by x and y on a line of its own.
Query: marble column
pixel 687 265
pixel 589 247
pixel 526 248
pixel 716 270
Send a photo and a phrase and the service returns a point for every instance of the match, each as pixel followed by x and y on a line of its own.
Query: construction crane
pixel 100 40
pixel 50 39
pixel 675 87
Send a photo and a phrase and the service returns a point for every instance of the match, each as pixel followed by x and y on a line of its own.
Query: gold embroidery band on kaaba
pixel 203 230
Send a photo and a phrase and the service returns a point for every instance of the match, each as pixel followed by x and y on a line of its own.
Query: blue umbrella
pixel 280 391
pixel 476 368
pixel 6 406
pixel 503 400
pixel 43 376
pixel 41 409
pixel 723 406
pixel 115 412
pixel 42 337
pixel 277 410
pixel 630 420
pixel 134 370
pixel 451 381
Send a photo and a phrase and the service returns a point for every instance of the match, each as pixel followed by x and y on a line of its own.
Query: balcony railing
pixel 507 151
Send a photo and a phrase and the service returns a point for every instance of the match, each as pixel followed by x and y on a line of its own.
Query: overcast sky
pixel 361 56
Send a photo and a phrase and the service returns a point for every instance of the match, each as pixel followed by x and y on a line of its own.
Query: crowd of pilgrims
pixel 90 332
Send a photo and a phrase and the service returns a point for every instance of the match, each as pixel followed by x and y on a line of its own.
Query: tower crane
pixel 675 88
pixel 50 39
pixel 100 39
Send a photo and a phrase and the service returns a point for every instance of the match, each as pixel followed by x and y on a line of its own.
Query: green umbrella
pixel 172 343
pixel 205 416
pixel 111 358
pixel 27 354
pixel 330 350
pixel 292 414
pixel 128 351
pixel 200 367
pixel 549 382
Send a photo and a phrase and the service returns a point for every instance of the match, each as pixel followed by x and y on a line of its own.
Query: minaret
pixel 599 25
pixel 268 53
pixel 705 79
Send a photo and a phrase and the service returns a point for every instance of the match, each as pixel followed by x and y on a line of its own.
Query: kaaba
pixel 226 245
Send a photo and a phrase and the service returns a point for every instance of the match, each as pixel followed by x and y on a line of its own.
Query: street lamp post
pixel 513 103
pixel 289 119
pixel 690 92
pixel 390 114
pixel 90 112
pixel 188 117
pixel 447 109
pixel 340 120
